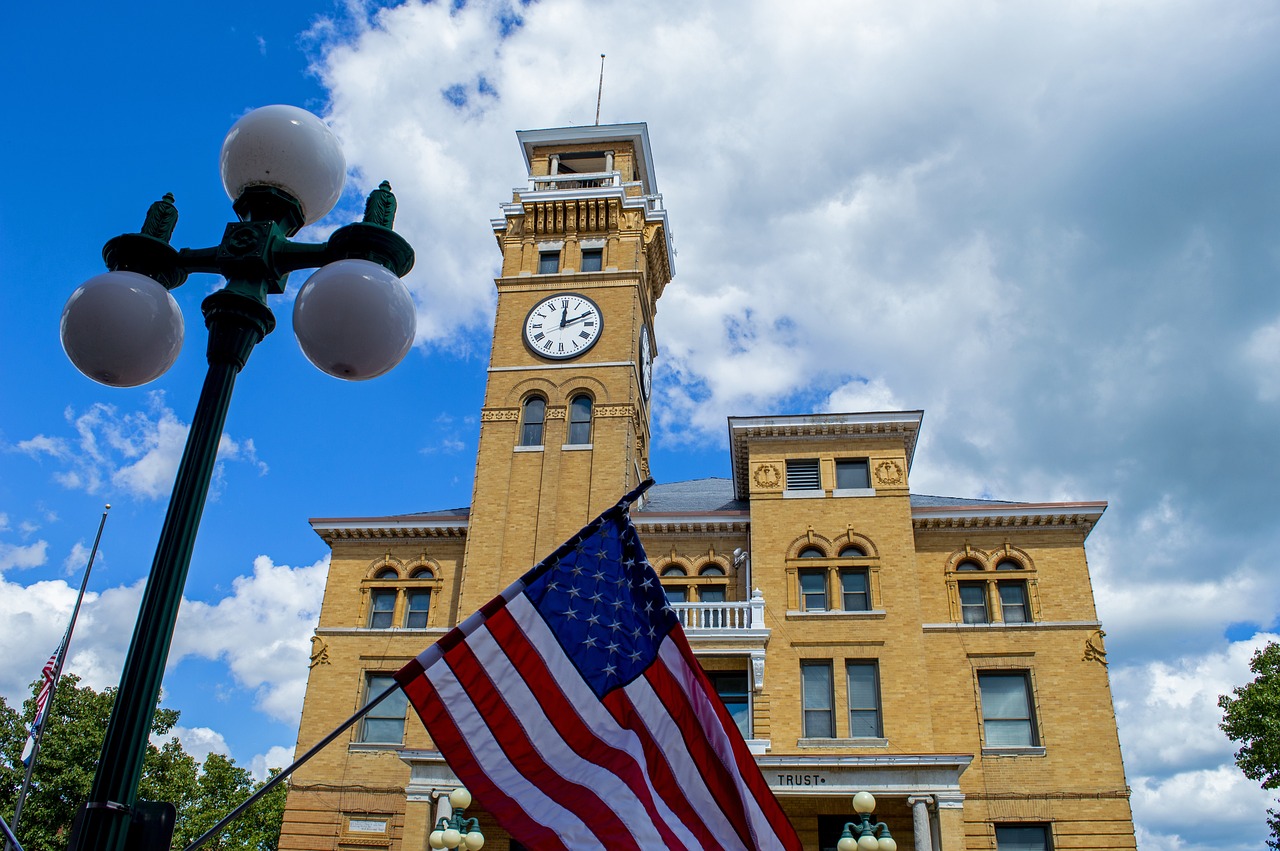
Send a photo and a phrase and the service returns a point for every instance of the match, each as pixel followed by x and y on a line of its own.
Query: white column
pixel 555 163
pixel 920 826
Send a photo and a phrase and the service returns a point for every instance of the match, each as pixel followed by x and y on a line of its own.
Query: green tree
pixel 1251 716
pixel 68 756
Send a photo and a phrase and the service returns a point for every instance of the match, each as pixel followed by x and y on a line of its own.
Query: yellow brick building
pixel 942 653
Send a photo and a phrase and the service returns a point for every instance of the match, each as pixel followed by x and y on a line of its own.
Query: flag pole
pixel 43 715
pixel 9 838
pixel 279 778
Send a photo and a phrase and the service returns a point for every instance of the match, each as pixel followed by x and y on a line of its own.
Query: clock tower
pixel 586 252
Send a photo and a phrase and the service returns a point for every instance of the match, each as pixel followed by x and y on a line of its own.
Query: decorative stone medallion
pixel 889 473
pixel 767 476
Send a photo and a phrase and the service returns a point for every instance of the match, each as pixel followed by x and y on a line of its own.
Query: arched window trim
pixel 581 416
pixel 533 418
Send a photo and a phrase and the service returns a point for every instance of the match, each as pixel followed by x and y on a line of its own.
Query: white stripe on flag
pixel 626 801
pixel 719 740
pixel 662 727
pixel 472 727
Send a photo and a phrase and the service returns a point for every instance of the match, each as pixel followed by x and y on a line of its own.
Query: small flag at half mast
pixel 42 703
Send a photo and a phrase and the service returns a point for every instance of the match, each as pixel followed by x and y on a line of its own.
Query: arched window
pixel 580 420
pixel 677 592
pixel 712 592
pixel 812 552
pixel 1009 564
pixel 853 551
pixel 968 565
pixel 388 573
pixel 531 420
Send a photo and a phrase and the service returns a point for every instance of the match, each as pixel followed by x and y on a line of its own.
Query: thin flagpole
pixel 11 841
pixel 9 838
pixel 600 90
pixel 271 784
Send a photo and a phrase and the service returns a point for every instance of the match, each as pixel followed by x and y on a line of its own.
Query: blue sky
pixel 1054 227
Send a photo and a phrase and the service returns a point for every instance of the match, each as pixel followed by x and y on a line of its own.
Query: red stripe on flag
pixel 723 789
pixel 676 794
pixel 449 739
pixel 521 753
pixel 748 772
pixel 576 733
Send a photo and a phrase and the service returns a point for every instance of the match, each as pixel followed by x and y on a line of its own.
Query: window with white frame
pixel 532 417
pixel 731 686
pixel 864 699
pixel 853 474
pixel 1022 837
pixel 580 420
pixel 385 722
pixel 1007 718
pixel 817 700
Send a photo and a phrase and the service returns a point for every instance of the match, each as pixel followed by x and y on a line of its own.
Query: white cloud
pixel 77 558
pixel 275 757
pixel 21 557
pixel 199 742
pixel 261 631
pixel 137 452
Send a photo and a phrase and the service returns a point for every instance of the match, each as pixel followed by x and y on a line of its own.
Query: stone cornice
pixel 744 431
pixel 675 523
pixel 379 528
pixel 1081 516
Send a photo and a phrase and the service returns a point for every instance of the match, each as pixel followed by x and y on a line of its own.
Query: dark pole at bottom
pixel 236 323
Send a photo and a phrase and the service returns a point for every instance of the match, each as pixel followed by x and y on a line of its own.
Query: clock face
pixel 563 326
pixel 646 363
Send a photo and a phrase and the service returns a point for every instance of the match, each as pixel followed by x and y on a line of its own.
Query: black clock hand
pixel 564 322
pixel 563 314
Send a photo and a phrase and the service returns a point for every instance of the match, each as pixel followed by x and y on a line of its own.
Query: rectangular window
pixel 973 602
pixel 802 474
pixel 592 259
pixel 1013 601
pixel 853 474
pixel 385 722
pixel 1022 837
pixel 731 686
pixel 419 606
pixel 548 262
pixel 382 608
pixel 854 590
pixel 1006 709
pixel 677 593
pixel 813 590
pixel 711 593
pixel 815 685
pixel 864 700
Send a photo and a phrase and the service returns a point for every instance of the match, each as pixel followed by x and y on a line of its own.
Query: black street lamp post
pixel 354 319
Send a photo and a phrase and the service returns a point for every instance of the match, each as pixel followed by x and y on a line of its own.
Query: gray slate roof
pixel 716 494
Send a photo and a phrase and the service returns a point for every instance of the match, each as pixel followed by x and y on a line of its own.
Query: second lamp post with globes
pixel 354 319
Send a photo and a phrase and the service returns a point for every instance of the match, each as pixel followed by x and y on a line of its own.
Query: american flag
pixel 42 703
pixel 572 707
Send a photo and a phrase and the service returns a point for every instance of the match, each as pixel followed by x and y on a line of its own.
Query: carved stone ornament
pixel 889 473
pixel 500 415
pixel 1093 649
pixel 767 476
pixel 757 671
pixel 319 652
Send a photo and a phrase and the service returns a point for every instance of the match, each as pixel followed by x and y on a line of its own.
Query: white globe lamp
pixel 289 149
pixel 122 329
pixel 354 319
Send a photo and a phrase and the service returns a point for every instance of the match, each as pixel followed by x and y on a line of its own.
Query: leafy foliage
pixel 1251 716
pixel 76 726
